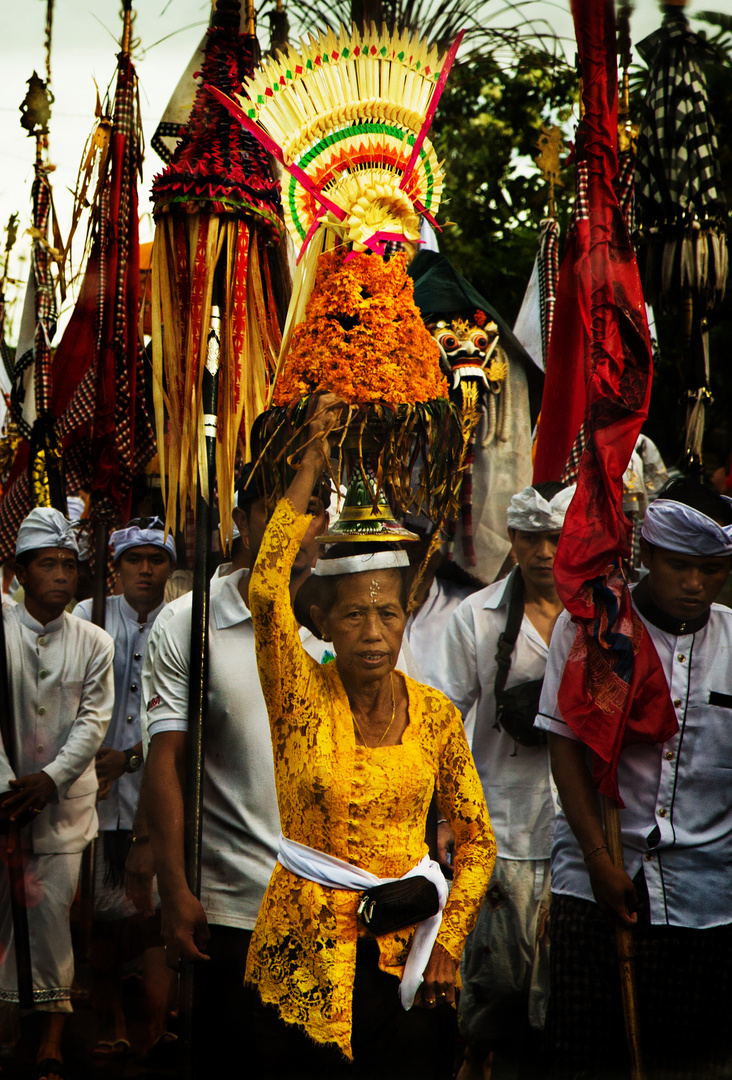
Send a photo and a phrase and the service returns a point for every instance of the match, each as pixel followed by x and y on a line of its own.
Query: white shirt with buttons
pixel 130 639
pixel 677 821
pixel 62 697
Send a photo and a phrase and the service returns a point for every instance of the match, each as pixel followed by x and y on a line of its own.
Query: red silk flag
pixel 613 690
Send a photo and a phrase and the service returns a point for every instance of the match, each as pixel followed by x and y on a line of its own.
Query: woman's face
pixel 366 624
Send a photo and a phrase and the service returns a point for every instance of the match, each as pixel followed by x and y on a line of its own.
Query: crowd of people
pixel 405 871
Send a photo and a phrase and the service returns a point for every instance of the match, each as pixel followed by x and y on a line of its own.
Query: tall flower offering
pixel 347 116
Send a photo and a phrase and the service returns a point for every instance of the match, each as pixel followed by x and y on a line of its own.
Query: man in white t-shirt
pixel 505 969
pixel 240 816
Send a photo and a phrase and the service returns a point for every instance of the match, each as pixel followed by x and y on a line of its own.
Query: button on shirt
pixel 130 637
pixel 677 821
pixel 516 780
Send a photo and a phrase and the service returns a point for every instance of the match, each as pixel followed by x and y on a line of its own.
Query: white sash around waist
pixel 333 873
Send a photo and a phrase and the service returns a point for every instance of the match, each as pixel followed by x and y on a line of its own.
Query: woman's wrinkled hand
pixel 438 986
pixel 327 416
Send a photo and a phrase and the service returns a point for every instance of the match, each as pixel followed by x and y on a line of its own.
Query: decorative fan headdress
pixel 348 117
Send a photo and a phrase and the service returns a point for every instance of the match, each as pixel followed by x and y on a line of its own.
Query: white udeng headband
pixel 676 527
pixel 531 512
pixel 45 527
pixel 357 564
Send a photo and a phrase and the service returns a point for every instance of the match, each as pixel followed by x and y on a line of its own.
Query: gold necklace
pixel 388 729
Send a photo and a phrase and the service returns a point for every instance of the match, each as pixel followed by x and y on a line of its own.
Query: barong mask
pixel 469 350
pixel 529 511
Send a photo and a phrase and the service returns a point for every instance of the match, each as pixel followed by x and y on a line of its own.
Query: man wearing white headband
pixel 505 965
pixel 143 559
pixel 240 815
pixel 675 891
pixel 62 695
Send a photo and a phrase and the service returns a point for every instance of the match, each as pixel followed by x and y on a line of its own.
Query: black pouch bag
pixel 516 708
pixel 383 909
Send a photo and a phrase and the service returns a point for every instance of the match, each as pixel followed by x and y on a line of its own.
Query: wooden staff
pixel 624 941
pixel 99 618
pixel 16 868
pixel 198 677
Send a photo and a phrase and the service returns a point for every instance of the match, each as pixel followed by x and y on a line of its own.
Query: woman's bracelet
pixel 595 851
pixel 139 839
pixel 443 821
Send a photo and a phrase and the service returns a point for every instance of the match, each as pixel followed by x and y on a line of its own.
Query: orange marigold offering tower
pixel 347 116
pixel 363 337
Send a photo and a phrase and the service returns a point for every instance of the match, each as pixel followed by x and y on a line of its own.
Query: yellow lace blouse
pixel 367 806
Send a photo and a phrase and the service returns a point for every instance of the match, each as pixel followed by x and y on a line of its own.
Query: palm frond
pixel 493 27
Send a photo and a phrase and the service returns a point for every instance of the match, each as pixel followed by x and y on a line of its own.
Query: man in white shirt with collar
pixel 675 892
pixel 143 559
pixel 240 814
pixel 505 965
pixel 62 696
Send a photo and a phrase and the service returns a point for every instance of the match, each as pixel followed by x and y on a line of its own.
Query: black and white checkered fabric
pixel 680 207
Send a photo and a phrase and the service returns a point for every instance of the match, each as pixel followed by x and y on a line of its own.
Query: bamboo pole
pixel 99 605
pixel 198 668
pixel 624 941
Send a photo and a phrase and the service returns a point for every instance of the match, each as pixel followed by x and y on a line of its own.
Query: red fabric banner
pixel 613 690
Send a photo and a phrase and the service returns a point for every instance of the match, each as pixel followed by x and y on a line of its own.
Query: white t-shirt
pixel 240 816
pixel 516 779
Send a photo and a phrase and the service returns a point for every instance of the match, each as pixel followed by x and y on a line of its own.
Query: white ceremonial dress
pixel 424 629
pixel 63 695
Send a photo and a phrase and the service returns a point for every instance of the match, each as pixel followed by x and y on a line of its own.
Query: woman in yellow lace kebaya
pixel 359 750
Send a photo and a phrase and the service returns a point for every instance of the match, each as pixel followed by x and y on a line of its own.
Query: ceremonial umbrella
pixel 32 408
pixel 219 291
pixel 680 206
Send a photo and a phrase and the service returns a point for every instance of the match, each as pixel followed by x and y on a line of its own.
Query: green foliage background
pixel 485 130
